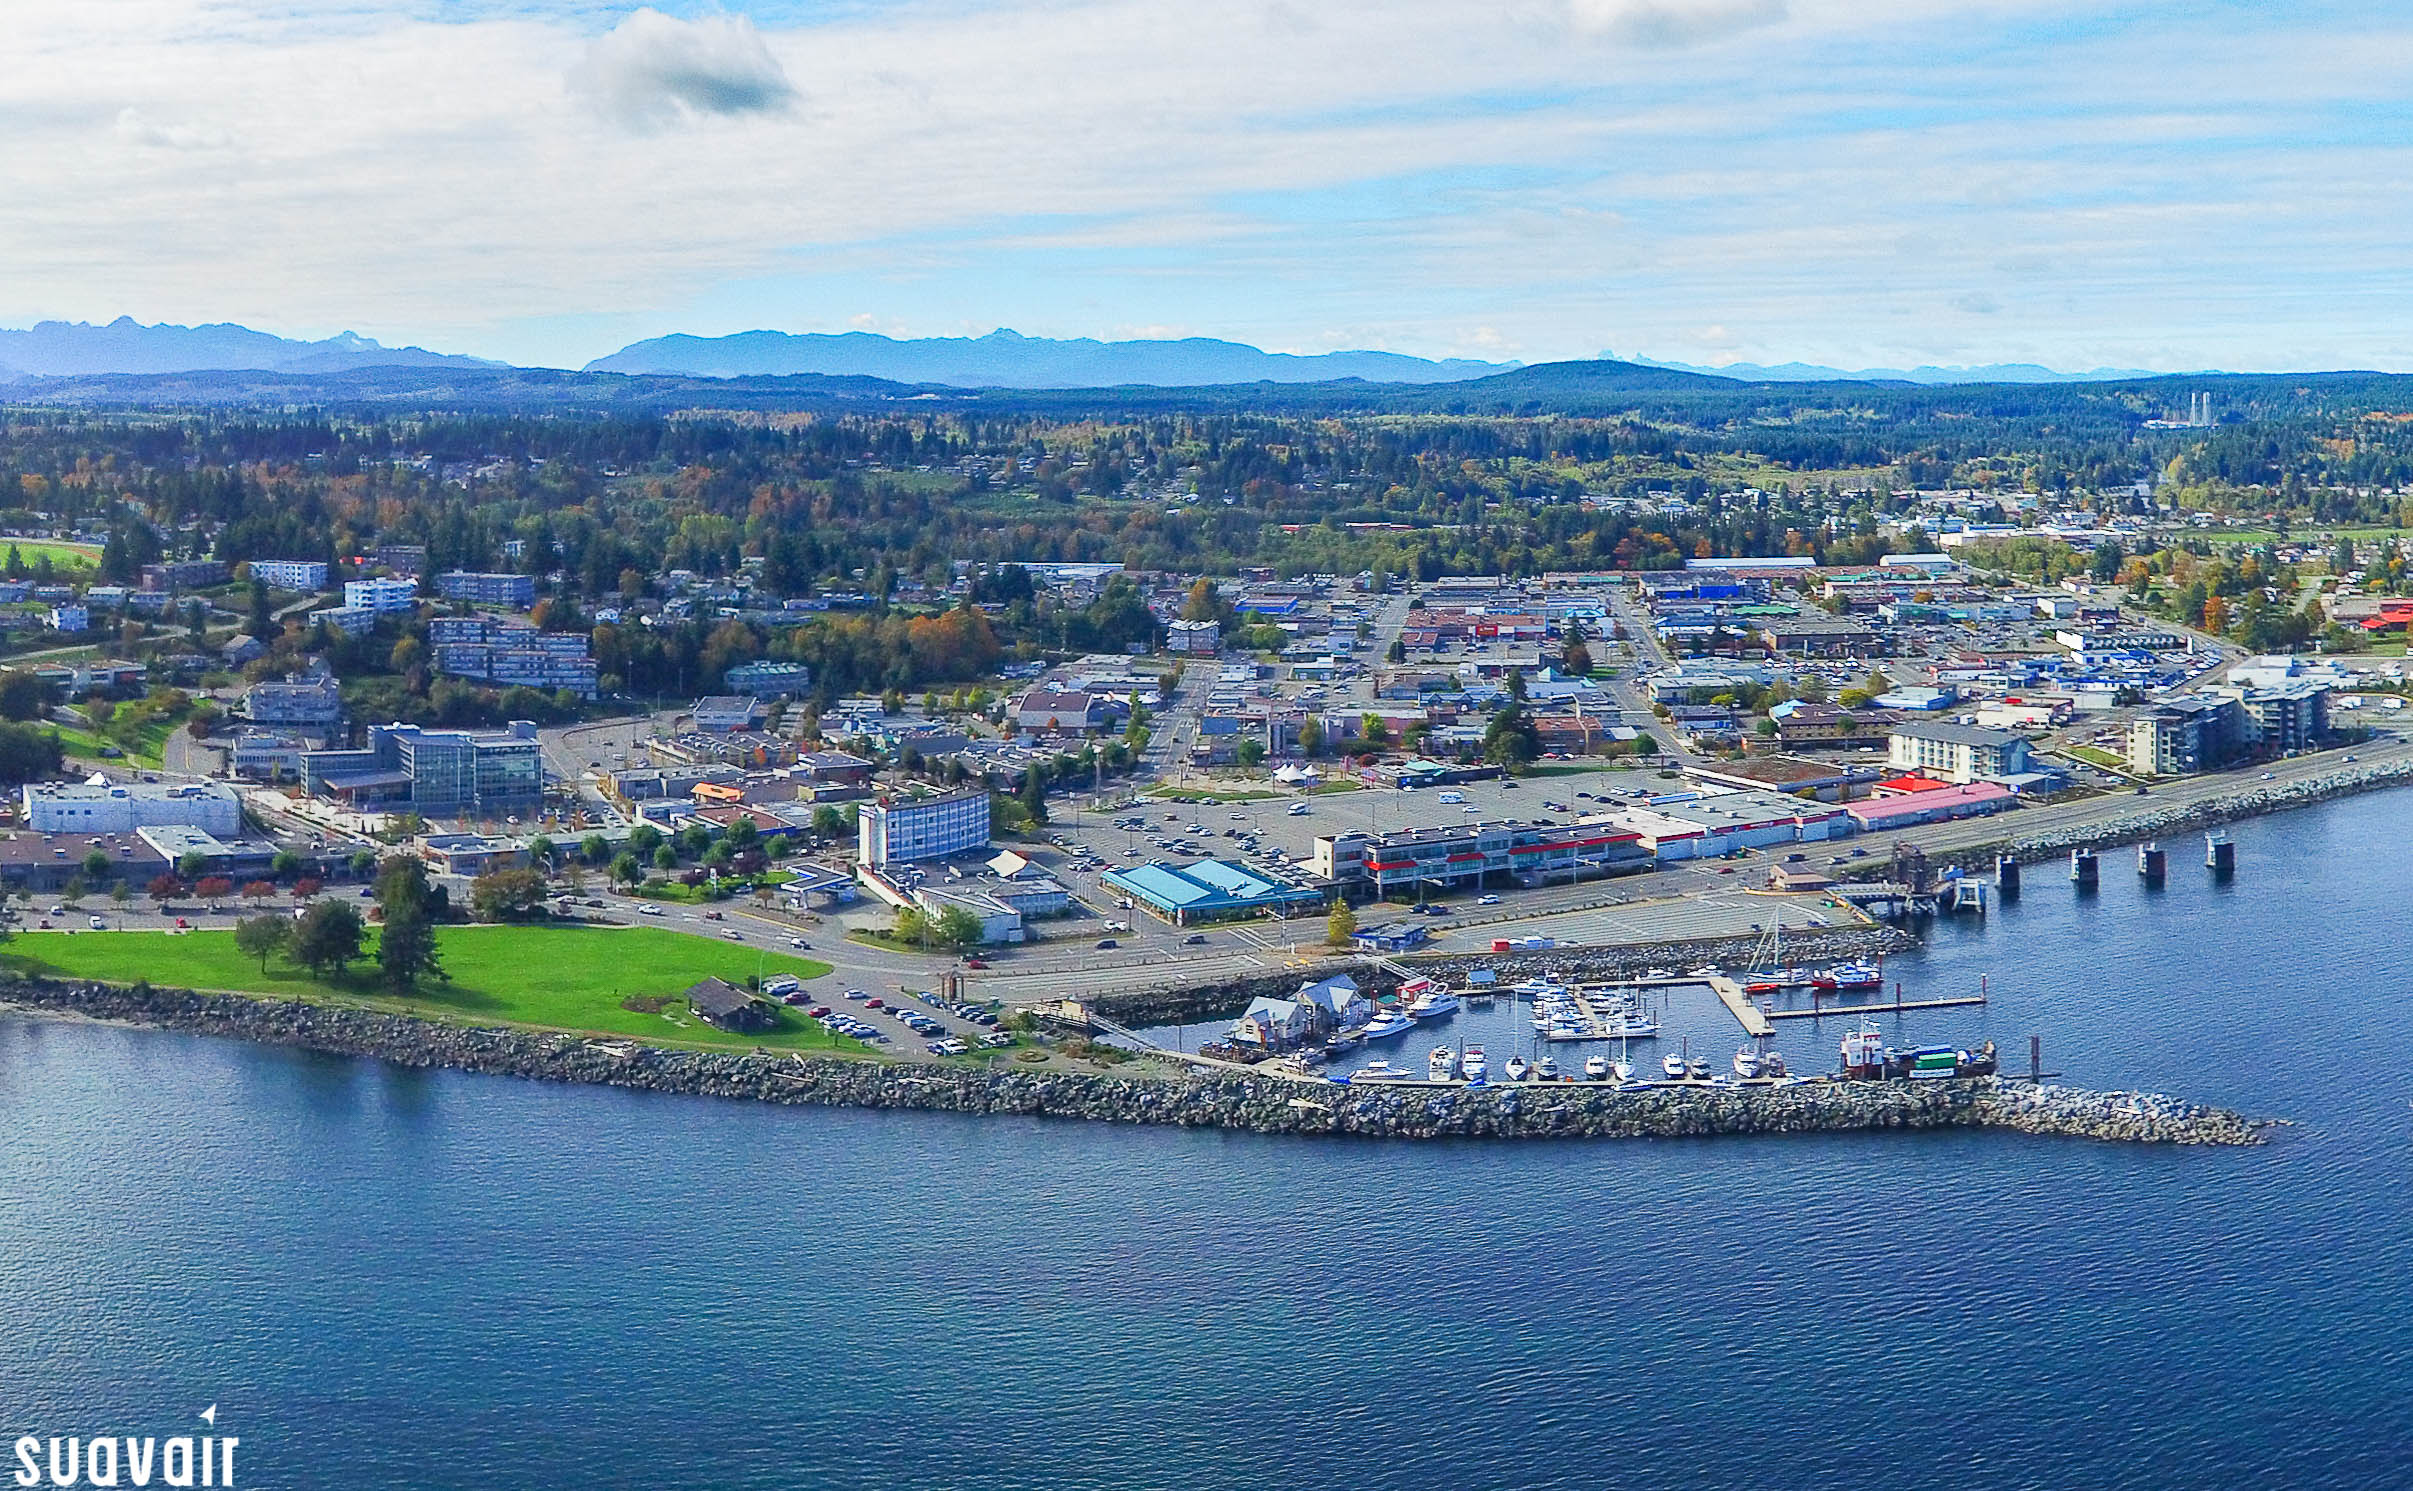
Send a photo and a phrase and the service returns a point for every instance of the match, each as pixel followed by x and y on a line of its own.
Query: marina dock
pixel 1751 1017
pixel 1889 1006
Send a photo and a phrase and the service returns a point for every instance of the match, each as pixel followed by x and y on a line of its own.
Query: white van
pixel 1452 799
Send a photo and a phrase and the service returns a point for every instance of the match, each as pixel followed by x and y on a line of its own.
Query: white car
pixel 1487 901
pixel 649 909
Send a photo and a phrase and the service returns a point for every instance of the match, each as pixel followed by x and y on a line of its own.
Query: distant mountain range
pixel 1007 359
pixel 1810 372
pixel 78 349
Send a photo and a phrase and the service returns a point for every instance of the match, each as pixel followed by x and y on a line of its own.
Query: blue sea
pixel 386 1278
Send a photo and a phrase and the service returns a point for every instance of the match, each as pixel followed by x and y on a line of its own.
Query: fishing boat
pixel 1853 977
pixel 1434 1003
pixel 1388 1024
pixel 1381 1071
pixel 1596 1068
pixel 1441 1064
pixel 1546 1069
pixel 1517 1067
pixel 1472 1065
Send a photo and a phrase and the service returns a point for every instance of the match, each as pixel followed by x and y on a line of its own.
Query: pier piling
pixel 2153 863
pixel 2006 877
pixel 2085 871
pixel 2220 855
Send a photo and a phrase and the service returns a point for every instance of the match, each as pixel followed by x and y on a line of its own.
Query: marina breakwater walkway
pixel 1223 1101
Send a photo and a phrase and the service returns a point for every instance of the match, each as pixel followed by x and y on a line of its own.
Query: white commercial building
pixel 907 829
pixel 106 807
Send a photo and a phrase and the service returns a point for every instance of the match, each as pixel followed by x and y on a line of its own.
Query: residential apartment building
pixel 1956 753
pixel 312 704
pixel 290 574
pixel 381 597
pixel 1196 638
pixel 184 574
pixel 402 559
pixel 905 829
pixel 512 654
pixel 487 589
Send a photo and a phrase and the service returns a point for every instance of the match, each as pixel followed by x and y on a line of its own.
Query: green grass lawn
pixel 567 978
pixel 1212 794
pixel 143 744
pixel 63 556
pixel 2098 757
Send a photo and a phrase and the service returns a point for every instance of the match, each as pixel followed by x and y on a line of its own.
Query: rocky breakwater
pixel 2229 807
pixel 1253 1104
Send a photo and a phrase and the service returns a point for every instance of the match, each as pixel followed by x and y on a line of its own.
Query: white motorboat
pixel 1441 1064
pixel 1471 1065
pixel 1746 1062
pixel 1387 1024
pixel 1697 1069
pixel 1673 1065
pixel 1517 1068
pixel 1629 1028
pixel 1546 1069
pixel 1433 1004
pixel 1381 1071
pixel 1596 1068
pixel 1623 1071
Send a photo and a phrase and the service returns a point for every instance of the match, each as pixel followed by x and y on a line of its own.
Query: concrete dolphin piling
pixel 1246 1103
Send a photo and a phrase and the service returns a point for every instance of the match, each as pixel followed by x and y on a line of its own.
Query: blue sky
pixel 1858 182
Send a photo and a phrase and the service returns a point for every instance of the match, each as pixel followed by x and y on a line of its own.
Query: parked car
pixel 648 909
pixel 976 962
pixel 1195 939
pixel 1105 943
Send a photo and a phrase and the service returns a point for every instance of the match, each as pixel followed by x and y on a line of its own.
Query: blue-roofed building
pixel 1208 890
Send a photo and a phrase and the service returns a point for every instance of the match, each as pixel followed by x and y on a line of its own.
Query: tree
pixel 957 928
pixel 1252 752
pixel 828 822
pixel 541 851
pixel 164 888
pixel 327 937
pixel 1311 736
pixel 285 864
pixel 665 857
pixel 1034 794
pixel 595 849
pixel 507 895
pixel 97 865
pixel 644 839
pixel 264 936
pixel 23 695
pixel 1341 926
pixel 256 891
pixel 406 948
pixel 743 834
pixel 626 870
pixel 28 754
pixel 776 847
pixel 213 888
pixel 1577 660
pixel 1510 739
pixel 1397 652
pixel 363 863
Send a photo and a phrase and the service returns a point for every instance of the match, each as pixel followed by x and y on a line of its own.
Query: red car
pixel 869 1004
pixel 819 1012
pixel 976 962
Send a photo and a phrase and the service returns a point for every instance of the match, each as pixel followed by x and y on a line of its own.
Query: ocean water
pixel 402 1279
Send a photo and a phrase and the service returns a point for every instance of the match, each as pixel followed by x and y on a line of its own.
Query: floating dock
pixel 1751 1017
pixel 1954 1002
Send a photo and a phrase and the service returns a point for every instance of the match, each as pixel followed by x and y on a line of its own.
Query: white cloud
pixel 1668 24
pixel 652 70
pixel 134 128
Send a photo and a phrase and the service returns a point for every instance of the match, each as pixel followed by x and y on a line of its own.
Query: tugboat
pixel 1864 1053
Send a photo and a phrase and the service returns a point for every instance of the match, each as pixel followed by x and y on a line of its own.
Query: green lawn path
pixel 564 978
